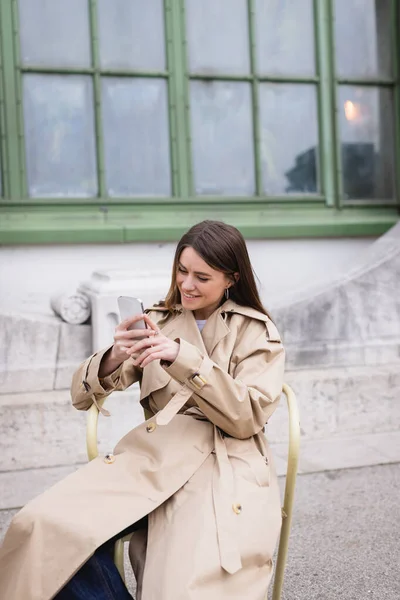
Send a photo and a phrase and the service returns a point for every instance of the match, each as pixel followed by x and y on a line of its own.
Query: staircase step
pixel 334 453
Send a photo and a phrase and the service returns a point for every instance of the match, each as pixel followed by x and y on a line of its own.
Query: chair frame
pixel 288 503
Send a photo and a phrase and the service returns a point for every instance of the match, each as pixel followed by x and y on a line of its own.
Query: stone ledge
pixel 338 452
pixel 42 429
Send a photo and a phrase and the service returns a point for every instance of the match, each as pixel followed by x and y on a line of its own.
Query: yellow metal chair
pixel 287 510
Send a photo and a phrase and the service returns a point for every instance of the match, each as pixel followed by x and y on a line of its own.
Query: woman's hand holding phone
pixel 126 338
pixel 155 346
pixel 143 345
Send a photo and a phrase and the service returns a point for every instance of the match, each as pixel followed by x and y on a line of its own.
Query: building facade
pixel 127 121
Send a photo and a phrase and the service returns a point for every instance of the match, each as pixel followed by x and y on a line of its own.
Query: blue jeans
pixel 98 579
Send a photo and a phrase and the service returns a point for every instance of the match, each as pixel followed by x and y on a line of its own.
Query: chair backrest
pixel 291 474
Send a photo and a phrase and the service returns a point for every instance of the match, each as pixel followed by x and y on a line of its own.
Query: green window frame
pixel 25 219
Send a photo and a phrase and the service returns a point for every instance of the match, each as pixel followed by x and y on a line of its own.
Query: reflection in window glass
pixel 363 38
pixel 222 138
pixel 285 37
pixel 131 34
pixel 55 33
pixel 59 134
pixel 218 36
pixel 366 136
pixel 136 138
pixel 289 138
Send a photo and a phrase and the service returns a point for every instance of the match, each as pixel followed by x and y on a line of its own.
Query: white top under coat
pixel 201 323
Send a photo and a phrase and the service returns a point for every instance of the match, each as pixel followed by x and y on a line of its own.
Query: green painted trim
pixel 123 225
pixel 163 201
pixel 180 95
pixel 337 155
pixel 186 83
pixel 317 67
pixel 255 100
pixel 12 163
pixel 325 100
pixel 90 70
pixel 19 95
pixel 94 42
pixel 172 116
pixel 396 99
pixel 3 147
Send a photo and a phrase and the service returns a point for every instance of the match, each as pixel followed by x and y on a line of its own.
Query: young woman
pixel 195 481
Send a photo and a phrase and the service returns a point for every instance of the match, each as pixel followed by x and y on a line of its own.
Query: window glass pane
pixel 222 138
pixel 289 138
pixel 136 138
pixel 285 37
pixel 59 134
pixel 131 34
pixel 363 38
pixel 218 36
pixel 55 33
pixel 366 135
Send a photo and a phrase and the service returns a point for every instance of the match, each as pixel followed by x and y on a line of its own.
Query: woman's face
pixel 201 287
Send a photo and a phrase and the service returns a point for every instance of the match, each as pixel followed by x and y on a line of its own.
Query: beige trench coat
pixel 200 468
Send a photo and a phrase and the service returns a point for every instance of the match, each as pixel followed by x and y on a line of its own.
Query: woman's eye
pixel 181 270
pixel 202 279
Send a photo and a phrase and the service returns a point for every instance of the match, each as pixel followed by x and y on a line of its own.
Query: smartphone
pixel 129 307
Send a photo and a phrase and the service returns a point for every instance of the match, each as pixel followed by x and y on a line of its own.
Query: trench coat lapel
pixel 215 330
pixel 184 325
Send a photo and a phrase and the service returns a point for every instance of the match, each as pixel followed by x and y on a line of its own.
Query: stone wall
pixel 343 346
pixel 342 341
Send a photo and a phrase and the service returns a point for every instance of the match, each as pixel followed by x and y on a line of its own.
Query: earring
pixel 226 293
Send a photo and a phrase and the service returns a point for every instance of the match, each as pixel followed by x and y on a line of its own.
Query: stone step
pixel 334 453
pixel 42 429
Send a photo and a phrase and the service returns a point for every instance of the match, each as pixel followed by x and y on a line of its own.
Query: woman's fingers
pixel 133 334
pixel 153 326
pixel 143 344
pixel 151 357
pixel 127 323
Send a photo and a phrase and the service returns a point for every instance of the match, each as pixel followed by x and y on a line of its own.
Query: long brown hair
pixel 224 249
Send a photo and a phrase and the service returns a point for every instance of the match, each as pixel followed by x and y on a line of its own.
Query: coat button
pixel 109 458
pixel 237 508
pixel 150 427
pixel 266 460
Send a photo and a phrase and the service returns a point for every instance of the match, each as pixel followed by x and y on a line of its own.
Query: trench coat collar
pixel 183 324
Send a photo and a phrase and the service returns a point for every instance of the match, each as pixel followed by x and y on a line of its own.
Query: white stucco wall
pixel 30 275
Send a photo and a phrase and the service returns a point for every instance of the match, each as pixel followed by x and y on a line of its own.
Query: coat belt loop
pixel 225 518
pixel 181 397
pixel 174 405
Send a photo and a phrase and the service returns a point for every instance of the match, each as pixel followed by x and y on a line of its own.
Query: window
pixel 365 82
pixel 129 120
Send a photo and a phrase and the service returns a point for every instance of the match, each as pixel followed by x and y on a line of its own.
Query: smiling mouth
pixel 189 296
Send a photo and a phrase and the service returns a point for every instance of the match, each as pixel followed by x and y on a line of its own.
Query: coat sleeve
pixel 240 404
pixel 87 388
